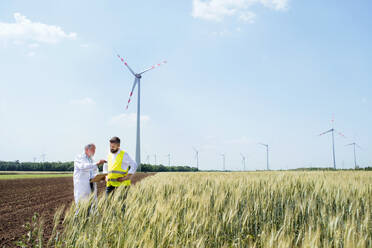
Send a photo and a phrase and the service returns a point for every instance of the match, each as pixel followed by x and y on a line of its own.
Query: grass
pixel 257 209
pixel 23 175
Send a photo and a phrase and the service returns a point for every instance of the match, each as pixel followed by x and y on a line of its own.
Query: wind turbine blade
pixel 262 144
pixel 153 67
pixel 341 134
pixel 359 146
pixel 351 144
pixel 126 64
pixel 330 130
pixel 131 93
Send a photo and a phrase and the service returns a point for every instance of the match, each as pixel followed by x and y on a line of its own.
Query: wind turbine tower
pixel 223 161
pixel 267 155
pixel 43 157
pixel 169 159
pixel 243 160
pixel 155 159
pixel 332 130
pixel 355 160
pixel 196 157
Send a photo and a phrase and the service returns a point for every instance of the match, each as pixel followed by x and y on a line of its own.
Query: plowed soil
pixel 21 198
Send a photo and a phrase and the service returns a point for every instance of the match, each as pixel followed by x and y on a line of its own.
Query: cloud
pixel 128 120
pixel 24 29
pixel 217 10
pixel 248 16
pixel 83 101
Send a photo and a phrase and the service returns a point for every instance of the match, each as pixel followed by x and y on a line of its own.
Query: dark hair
pixel 115 140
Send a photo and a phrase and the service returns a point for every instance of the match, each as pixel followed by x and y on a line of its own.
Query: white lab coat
pixel 84 170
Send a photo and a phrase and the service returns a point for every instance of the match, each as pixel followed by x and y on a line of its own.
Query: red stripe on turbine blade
pixel 131 93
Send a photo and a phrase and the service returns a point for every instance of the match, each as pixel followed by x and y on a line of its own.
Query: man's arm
pixel 128 161
pixel 83 164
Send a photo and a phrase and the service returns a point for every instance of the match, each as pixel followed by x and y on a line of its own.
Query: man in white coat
pixel 84 170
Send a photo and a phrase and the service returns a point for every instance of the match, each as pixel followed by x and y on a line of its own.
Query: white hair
pixel 87 147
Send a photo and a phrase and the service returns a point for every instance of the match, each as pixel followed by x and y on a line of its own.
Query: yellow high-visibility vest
pixel 115 171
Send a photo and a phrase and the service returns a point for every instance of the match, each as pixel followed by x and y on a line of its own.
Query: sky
pixel 238 72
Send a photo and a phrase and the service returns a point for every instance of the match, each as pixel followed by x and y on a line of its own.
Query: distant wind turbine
pixel 332 130
pixel 267 155
pixel 243 160
pixel 355 160
pixel 169 159
pixel 196 157
pixel 137 80
pixel 155 159
pixel 42 156
pixel 223 161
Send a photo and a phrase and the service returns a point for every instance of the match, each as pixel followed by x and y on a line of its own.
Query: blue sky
pixel 239 72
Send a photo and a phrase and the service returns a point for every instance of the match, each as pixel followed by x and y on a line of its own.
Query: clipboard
pixel 98 178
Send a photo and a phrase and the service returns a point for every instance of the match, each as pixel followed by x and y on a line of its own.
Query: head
pixel 114 144
pixel 90 150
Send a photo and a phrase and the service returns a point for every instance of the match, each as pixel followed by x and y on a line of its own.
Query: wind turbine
pixel 148 159
pixel 354 145
pixel 137 80
pixel 267 154
pixel 196 157
pixel 155 158
pixel 223 161
pixel 42 156
pixel 243 160
pixel 169 158
pixel 332 130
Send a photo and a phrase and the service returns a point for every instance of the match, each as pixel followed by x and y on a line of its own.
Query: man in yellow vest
pixel 120 167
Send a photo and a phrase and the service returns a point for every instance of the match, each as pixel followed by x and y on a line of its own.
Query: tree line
pixel 69 166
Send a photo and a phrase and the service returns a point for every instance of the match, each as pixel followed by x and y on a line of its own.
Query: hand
pixel 127 177
pixel 121 179
pixel 102 161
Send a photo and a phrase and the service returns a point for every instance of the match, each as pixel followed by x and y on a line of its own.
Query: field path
pixel 21 198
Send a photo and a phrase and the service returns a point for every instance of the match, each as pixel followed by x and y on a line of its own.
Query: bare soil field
pixel 21 198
